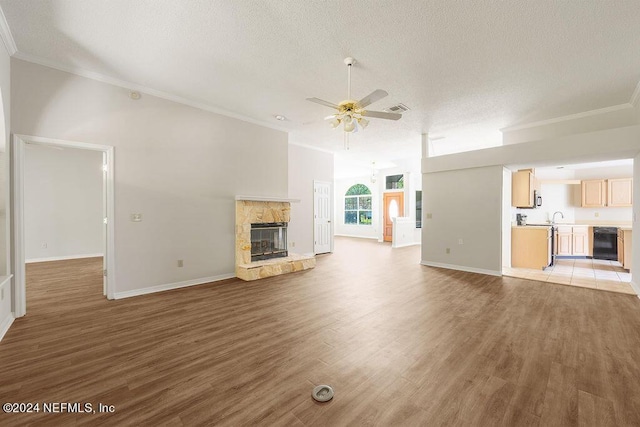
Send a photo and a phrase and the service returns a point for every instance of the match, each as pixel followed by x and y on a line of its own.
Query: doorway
pixel 393 204
pixel 18 148
pixel 322 231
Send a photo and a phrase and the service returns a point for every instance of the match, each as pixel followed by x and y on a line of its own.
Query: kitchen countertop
pixel 621 227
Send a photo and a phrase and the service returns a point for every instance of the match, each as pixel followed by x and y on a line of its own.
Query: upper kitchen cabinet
pixel 607 192
pixel 594 193
pixel 523 186
pixel 620 192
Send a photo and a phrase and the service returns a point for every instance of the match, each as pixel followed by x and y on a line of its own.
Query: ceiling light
pixel 280 117
pixel 363 122
pixel 349 126
pixel 134 95
pixel 334 123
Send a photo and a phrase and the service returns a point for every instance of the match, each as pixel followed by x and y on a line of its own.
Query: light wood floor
pixel 401 344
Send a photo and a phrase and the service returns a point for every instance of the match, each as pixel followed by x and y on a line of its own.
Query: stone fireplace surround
pixel 260 210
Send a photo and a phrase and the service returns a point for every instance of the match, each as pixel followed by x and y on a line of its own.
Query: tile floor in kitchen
pixel 585 273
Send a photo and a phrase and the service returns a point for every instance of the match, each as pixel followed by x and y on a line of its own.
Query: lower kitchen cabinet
pixel 624 248
pixel 530 247
pixel 572 240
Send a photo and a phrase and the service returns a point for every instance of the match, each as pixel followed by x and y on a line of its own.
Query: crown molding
pixel 7 37
pixel 635 97
pixel 143 89
pixel 569 117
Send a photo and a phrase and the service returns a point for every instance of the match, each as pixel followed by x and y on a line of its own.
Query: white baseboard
pixel 404 245
pixel 169 286
pixel 636 288
pixel 462 268
pixel 6 324
pixel 357 237
pixel 62 258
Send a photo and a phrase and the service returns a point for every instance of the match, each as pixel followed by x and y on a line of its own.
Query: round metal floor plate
pixel 322 393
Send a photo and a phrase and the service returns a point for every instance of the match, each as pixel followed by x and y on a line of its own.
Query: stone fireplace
pixel 261 239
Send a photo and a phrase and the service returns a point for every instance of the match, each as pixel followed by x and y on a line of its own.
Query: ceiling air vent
pixel 398 108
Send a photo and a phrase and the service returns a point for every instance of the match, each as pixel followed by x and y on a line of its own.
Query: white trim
pixel 567 118
pixel 461 268
pixel 6 324
pixel 18 144
pixel 357 237
pixel 267 199
pixel 7 37
pixel 5 279
pixel 635 287
pixel 635 97
pixel 404 245
pixel 144 89
pixel 170 286
pixel 61 258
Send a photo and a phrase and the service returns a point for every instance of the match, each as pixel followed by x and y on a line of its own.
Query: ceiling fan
pixel 350 113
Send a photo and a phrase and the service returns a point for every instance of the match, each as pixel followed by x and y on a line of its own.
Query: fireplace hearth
pixel 268 240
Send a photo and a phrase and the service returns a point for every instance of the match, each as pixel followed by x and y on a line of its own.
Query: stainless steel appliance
pixel 605 243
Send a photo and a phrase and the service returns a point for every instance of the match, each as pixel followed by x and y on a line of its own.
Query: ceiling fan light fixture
pixel 334 123
pixel 349 126
pixel 363 122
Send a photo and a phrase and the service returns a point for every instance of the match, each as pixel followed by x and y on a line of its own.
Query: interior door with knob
pixel 322 231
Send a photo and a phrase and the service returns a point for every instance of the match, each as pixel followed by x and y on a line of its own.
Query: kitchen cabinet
pixel 530 247
pixel 620 192
pixel 616 192
pixel 523 185
pixel 572 240
pixel 580 241
pixel 624 248
pixel 594 193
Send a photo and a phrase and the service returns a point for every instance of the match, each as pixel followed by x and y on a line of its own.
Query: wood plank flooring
pixel 401 344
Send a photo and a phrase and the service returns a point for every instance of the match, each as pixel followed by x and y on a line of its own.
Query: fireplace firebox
pixel 268 240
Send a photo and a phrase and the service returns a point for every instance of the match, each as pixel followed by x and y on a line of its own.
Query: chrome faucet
pixel 553 218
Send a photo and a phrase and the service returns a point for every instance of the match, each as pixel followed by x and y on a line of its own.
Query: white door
pixel 322 232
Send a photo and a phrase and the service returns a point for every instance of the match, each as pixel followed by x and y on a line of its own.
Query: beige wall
pixel 305 166
pixel 465 205
pixel 180 167
pixel 5 92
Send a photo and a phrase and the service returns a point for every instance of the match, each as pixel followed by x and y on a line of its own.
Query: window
pixel 357 205
pixel 395 182
pixel 418 209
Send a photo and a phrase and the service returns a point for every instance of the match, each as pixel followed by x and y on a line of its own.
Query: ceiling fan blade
pixel 374 96
pixel 382 115
pixel 323 102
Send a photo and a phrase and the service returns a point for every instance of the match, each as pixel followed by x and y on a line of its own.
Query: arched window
pixel 357 205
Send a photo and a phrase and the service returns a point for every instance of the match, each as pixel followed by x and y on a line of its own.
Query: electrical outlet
pixel 136 217
pixel 460 242
pixel 180 263
pixel 448 250
pixel 429 216
pixel 597 214
pixel 293 244
pixel 43 246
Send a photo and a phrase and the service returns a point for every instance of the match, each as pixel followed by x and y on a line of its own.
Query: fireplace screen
pixel 268 240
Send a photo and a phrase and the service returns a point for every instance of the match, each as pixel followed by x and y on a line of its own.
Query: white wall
pixel 465 204
pixel 63 203
pixel 305 166
pixel 357 230
pixel 180 167
pixel 635 240
pixel 508 216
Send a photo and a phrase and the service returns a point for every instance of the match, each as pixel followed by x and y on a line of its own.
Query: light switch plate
pixel 136 217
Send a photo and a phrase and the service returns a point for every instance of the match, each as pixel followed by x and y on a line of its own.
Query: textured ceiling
pixel 466 69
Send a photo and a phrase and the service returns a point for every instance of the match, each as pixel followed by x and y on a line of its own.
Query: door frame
pixel 18 145
pixel 331 213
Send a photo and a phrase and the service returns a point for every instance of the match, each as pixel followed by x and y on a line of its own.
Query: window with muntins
pixel 357 205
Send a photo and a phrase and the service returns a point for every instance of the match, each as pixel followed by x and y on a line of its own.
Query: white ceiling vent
pixel 398 108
